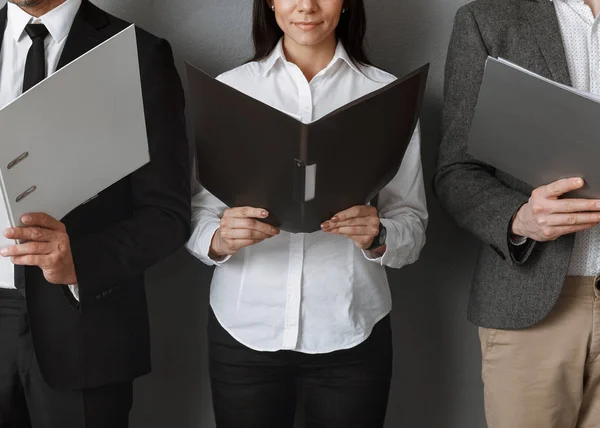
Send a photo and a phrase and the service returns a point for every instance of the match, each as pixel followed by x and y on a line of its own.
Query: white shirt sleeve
pixel 402 207
pixel 207 210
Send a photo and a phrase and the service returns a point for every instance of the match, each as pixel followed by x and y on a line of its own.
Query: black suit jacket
pixel 116 236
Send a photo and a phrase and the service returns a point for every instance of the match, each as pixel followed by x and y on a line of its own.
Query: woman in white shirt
pixel 307 313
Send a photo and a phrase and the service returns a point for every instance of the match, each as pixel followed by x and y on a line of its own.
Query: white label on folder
pixel 310 182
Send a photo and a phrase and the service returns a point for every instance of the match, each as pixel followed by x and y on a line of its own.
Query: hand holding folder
pixel 250 154
pixel 536 130
pixel 547 217
pixel 546 135
pixel 74 134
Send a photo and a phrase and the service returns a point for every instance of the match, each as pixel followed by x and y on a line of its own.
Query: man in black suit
pixel 73 318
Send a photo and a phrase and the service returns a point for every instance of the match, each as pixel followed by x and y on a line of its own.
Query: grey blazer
pixel 508 292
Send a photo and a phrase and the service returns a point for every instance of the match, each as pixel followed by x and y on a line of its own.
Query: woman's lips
pixel 307 26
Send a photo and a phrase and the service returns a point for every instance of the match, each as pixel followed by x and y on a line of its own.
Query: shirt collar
pixel 58 21
pixel 342 54
pixel 277 54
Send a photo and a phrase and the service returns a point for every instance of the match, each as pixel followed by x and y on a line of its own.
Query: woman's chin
pixel 307 39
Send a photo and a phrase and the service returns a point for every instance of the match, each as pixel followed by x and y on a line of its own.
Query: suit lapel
pixel 3 15
pixel 84 34
pixel 542 18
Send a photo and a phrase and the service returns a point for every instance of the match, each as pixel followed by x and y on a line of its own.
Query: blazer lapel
pixel 84 34
pixel 3 19
pixel 542 18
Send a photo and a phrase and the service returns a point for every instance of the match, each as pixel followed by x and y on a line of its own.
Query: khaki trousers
pixel 547 376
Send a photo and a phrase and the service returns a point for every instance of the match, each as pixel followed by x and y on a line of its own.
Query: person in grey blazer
pixel 535 293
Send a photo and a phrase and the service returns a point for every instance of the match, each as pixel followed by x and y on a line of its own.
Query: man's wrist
pixel 516 234
pixel 72 279
pixel 516 237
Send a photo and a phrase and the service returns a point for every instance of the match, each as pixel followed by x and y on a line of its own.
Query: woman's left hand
pixel 360 224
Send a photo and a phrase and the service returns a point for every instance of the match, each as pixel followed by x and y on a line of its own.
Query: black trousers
pixel 344 389
pixel 26 401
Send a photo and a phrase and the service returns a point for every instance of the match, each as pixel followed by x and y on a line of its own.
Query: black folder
pixel 250 154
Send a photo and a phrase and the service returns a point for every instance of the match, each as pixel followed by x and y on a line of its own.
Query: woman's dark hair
pixel 350 30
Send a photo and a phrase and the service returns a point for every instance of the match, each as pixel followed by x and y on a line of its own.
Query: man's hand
pixel 546 217
pixel 45 244
pixel 359 223
pixel 240 228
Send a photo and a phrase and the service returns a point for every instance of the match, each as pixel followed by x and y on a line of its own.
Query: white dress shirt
pixel 581 38
pixel 312 293
pixel 13 55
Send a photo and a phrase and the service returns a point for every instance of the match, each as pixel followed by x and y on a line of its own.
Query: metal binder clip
pixel 26 193
pixel 18 160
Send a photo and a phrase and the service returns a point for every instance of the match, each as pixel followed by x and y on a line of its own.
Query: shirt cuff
pixel 390 241
pixel 220 260
pixel 517 241
pixel 74 291
pixel 199 244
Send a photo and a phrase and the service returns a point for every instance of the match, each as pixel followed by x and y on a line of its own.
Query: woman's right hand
pixel 240 227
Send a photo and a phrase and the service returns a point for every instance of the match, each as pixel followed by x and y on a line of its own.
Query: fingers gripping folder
pixel 68 154
pixel 250 154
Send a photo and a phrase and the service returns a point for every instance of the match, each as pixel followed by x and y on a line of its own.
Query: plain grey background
pixel 437 356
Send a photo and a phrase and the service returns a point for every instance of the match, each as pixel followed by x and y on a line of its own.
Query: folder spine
pixel 300 172
pixel 299 181
pixel 7 203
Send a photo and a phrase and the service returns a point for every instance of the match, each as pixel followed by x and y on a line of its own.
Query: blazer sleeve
pixel 468 189
pixel 160 191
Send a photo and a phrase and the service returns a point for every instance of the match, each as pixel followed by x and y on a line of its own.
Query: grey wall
pixel 437 364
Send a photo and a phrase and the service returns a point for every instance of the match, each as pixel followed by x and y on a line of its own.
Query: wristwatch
pixel 379 240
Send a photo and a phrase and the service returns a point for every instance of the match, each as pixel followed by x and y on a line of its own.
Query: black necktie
pixel 35 67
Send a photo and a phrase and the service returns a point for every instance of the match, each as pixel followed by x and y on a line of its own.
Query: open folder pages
pixel 536 130
pixel 250 154
pixel 75 133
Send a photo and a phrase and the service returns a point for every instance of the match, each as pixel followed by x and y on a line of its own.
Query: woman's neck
pixel 310 59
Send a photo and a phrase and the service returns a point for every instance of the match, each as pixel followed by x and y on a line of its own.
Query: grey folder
pixel 536 130
pixel 88 131
pixel 250 154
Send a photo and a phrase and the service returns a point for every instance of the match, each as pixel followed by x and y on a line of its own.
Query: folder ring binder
pixel 26 193
pixel 18 160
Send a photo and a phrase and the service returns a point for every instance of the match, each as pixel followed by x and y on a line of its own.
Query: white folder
pixel 74 134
